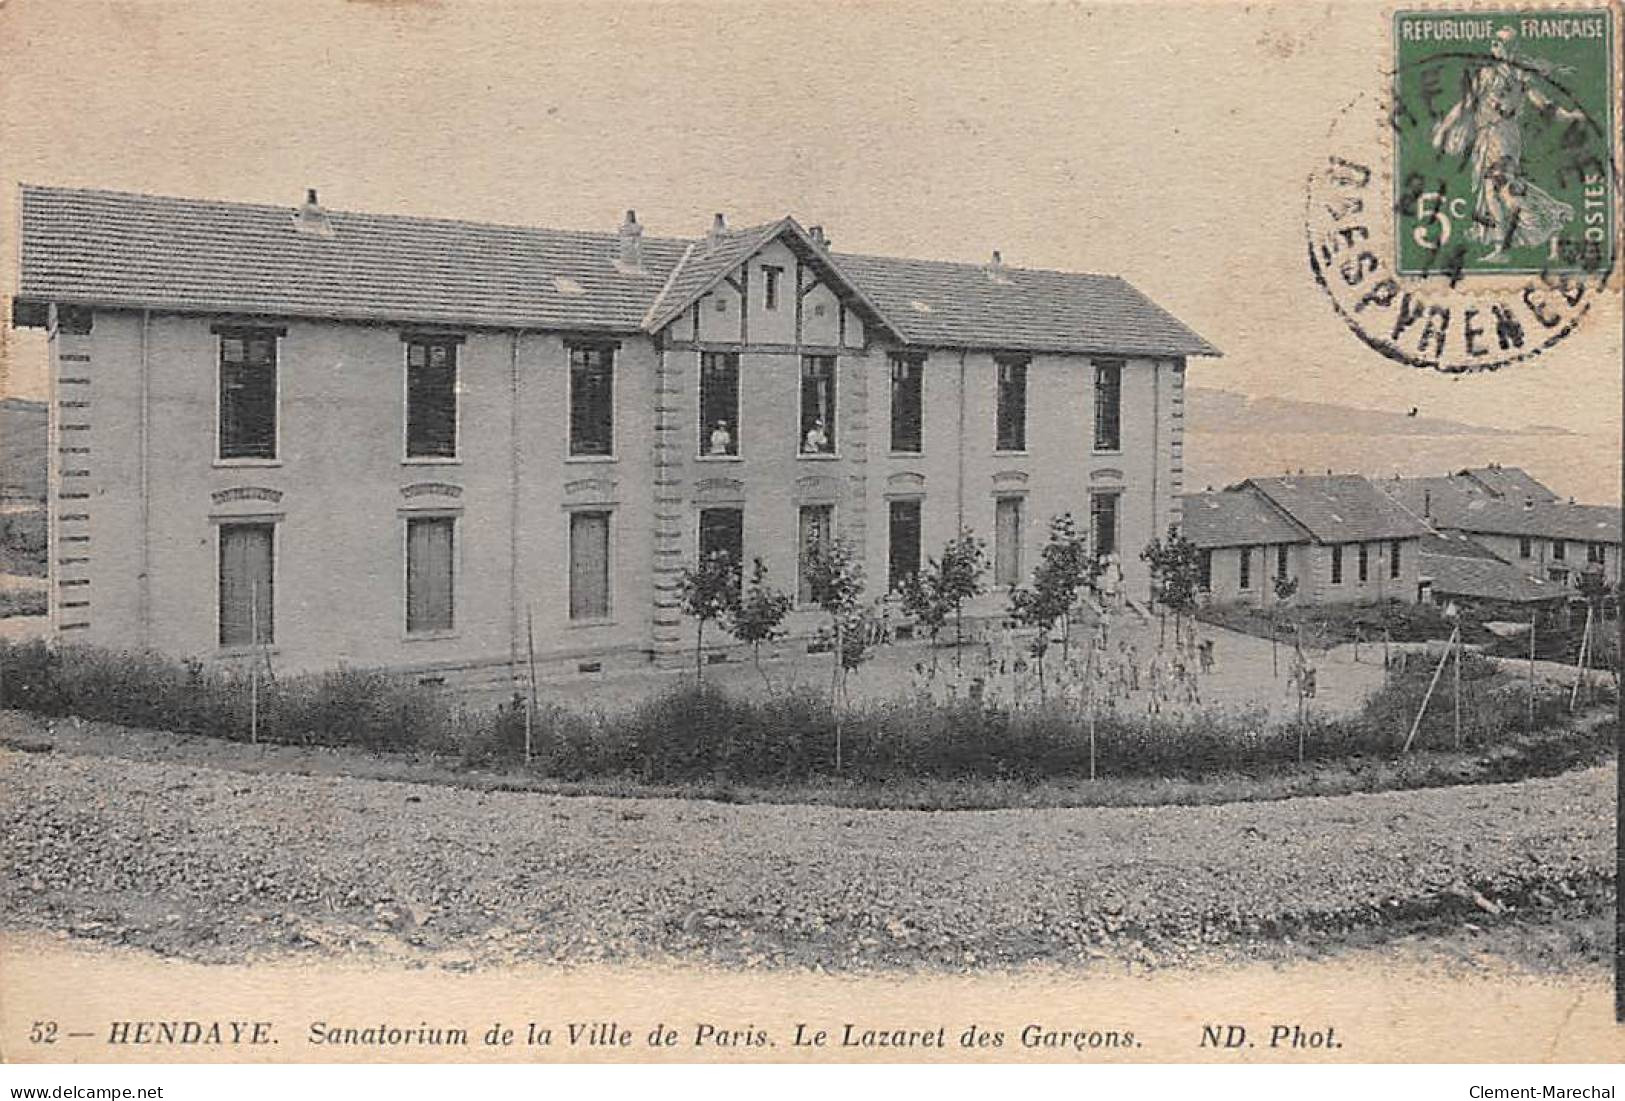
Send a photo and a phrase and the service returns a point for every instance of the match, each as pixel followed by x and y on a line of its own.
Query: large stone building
pixel 393 441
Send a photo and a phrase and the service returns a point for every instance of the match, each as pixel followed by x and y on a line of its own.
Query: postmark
pixel 1466 216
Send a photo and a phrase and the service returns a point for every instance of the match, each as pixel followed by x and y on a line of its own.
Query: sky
pixel 1167 144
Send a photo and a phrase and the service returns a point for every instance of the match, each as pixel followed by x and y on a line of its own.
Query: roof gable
pixel 1340 508
pixel 1239 517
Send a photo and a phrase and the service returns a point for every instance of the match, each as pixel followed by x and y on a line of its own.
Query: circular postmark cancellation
pixel 1467 217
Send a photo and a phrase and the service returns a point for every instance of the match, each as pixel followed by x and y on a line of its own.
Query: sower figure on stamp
pixel 1508 210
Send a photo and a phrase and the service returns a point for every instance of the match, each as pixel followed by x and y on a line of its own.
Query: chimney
pixel 630 260
pixel 995 269
pixel 719 226
pixel 817 234
pixel 311 218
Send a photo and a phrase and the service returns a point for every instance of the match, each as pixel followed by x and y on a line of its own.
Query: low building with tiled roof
pixel 1519 520
pixel 1337 535
pixel 322 436
pixel 1457 569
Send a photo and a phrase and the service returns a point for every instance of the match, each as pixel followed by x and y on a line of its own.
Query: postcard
pixel 789 532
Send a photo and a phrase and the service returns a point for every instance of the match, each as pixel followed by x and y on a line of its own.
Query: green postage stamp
pixel 1501 141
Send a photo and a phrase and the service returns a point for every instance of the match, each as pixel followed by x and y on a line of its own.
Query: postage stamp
pixel 1467 218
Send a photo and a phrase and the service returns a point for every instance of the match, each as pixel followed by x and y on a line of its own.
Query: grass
pixel 1335 624
pixel 23 602
pixel 701 742
pixel 23 542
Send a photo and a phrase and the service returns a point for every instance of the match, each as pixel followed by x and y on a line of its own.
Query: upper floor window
pixel 770 286
pixel 592 399
pixel 906 402
pixel 248 394
pixel 817 405
pixel 1108 405
pixel 431 398
pixel 719 404
pixel 1012 405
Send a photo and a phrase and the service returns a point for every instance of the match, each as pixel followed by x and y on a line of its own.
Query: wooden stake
pixel 254 664
pixel 1580 659
pixel 1456 688
pixel 530 704
pixel 1530 724
pixel 1432 684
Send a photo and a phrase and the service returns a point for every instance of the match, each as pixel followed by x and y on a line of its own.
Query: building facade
pixel 1338 537
pixel 428 445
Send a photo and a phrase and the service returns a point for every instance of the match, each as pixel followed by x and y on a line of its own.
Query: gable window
pixel 816 534
pixel 589 565
pixel 903 561
pixel 247 576
pixel 906 403
pixel 1526 547
pixel 431 398
pixel 1103 523
pixel 430 599
pixel 1012 405
pixel 770 286
pixel 1393 558
pixel 817 405
pixel 592 399
pixel 1108 405
pixel 1337 565
pixel 1559 549
pixel 1007 541
pixel 1280 562
pixel 1365 562
pixel 722 532
pixel 1204 579
pixel 1245 578
pixel 719 404
pixel 248 394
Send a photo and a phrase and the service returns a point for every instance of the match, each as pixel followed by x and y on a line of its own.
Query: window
pixel 592 399
pixel 429 574
pixel 1204 580
pixel 1525 546
pixel 719 404
pixel 589 565
pixel 248 394
pixel 904 558
pixel 431 398
pixel 1337 565
pixel 906 406
pixel 1597 554
pixel 1280 562
pixel 1559 549
pixel 1103 523
pixel 722 531
pixel 247 604
pixel 1012 409
pixel 817 405
pixel 1393 558
pixel 1245 580
pixel 1007 541
pixel 770 286
pixel 1108 405
pixel 817 532
pixel 1365 562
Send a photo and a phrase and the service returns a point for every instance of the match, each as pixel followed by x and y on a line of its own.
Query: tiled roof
pixel 1340 508
pixel 1550 520
pixel 1453 544
pixel 1488 579
pixel 103 248
pixel 962 306
pixel 1236 518
pixel 1511 482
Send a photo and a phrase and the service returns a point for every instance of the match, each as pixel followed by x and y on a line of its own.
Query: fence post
pixel 1531 693
pixel 530 701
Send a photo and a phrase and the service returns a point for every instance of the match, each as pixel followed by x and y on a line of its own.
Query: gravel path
pixel 215 866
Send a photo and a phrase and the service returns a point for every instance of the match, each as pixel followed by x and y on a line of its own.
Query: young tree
pixel 923 602
pixel 759 616
pixel 1285 589
pixel 709 591
pixel 1176 572
pixel 835 577
pixel 1064 566
pixel 959 577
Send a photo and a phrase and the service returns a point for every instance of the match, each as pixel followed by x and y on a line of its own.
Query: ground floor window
pixel 1103 523
pixel 722 532
pixel 1007 541
pixel 430 566
pixel 816 534
pixel 1597 554
pixel 247 574
pixel 1281 562
pixel 1393 558
pixel 1365 562
pixel 1204 580
pixel 589 565
pixel 1525 547
pixel 904 559
pixel 1245 578
pixel 1337 565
